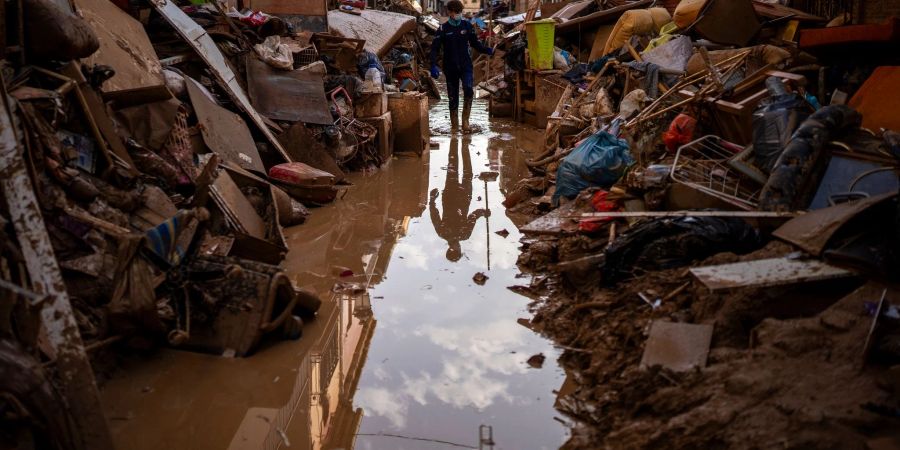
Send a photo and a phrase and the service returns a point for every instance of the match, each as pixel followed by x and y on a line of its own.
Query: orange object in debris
pixel 877 97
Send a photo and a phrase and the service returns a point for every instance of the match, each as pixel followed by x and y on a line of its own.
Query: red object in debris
pixel 358 4
pixel 592 225
pixel 601 203
pixel 256 19
pixel 299 174
pixel 680 132
pixel 865 34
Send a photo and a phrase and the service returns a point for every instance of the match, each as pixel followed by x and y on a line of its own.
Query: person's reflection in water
pixel 457 224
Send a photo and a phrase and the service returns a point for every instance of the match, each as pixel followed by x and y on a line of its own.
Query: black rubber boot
pixel 467 109
pixel 454 120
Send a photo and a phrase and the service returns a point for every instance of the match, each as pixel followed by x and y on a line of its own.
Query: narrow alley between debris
pixel 409 352
pixel 284 224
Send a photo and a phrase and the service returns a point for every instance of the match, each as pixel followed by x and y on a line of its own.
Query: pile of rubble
pixel 716 226
pixel 151 154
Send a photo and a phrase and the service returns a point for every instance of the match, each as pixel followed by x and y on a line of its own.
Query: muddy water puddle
pixel 407 352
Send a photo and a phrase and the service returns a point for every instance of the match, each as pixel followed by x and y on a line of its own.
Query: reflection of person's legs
pixel 468 95
pixel 466 161
pixel 453 94
pixel 452 162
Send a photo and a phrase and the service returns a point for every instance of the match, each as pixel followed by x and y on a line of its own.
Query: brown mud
pixel 785 369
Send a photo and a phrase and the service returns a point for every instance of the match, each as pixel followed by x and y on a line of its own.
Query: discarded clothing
pixel 576 74
pixel 790 186
pixel 651 77
pixel 675 242
pixel 368 60
pixel 773 124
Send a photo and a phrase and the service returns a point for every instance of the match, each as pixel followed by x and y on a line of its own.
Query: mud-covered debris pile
pixel 715 220
pixel 152 153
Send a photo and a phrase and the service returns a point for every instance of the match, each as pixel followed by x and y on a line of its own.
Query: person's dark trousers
pixel 453 79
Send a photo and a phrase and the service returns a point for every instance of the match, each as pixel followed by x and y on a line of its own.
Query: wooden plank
pixel 223 131
pixel 124 46
pixel 554 222
pixel 767 272
pixel 677 346
pixel 812 231
pixel 607 15
pixel 747 214
pixel 301 7
pixel 60 336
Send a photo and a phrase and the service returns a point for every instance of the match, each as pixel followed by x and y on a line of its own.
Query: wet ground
pixel 408 351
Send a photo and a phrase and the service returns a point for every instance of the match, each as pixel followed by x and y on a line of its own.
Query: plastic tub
pixel 540 43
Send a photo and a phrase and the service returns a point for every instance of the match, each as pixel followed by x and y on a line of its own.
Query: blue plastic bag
pixel 599 161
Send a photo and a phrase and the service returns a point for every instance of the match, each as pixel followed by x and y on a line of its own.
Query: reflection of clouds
pixel 382 402
pixel 414 256
pixel 473 373
pixel 381 374
pixel 485 346
pixel 460 384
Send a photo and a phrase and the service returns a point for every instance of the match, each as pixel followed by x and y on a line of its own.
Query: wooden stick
pixel 675 292
pixel 747 214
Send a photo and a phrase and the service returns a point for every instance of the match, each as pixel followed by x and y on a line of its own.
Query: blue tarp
pixel 599 160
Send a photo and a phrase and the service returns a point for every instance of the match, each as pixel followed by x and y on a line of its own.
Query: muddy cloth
pixel 515 55
pixel 792 182
pixel 675 242
pixel 576 74
pixel 651 76
pixel 774 121
pixel 598 161
pixel 368 60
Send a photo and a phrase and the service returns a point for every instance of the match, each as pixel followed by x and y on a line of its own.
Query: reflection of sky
pixel 447 354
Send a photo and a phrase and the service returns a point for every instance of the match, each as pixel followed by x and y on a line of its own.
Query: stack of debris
pixel 148 167
pixel 717 192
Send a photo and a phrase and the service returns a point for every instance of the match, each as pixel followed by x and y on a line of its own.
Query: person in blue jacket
pixel 455 37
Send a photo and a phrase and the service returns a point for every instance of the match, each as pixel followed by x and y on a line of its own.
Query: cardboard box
pixel 370 105
pixel 385 137
pixel 409 113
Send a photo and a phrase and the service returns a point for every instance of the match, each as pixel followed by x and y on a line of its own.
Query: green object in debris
pixel 540 43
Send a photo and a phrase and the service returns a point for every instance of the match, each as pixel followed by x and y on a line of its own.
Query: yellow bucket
pixel 540 43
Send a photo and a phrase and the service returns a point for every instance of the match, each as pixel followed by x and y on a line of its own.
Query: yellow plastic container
pixel 540 43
